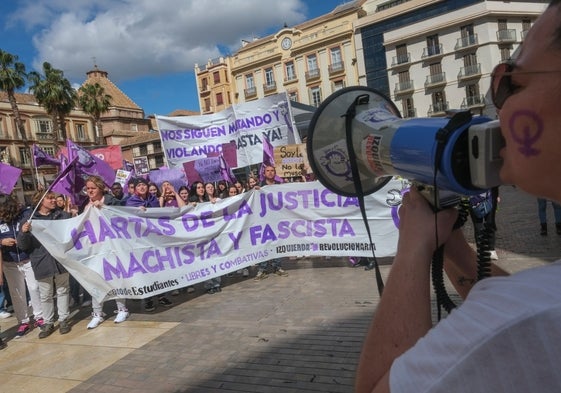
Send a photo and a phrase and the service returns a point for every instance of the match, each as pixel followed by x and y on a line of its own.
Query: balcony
pixel 290 79
pixel 336 68
pixel 411 113
pixel 506 35
pixel 473 102
pixel 469 72
pixel 45 136
pixel 435 80
pixel 404 87
pixel 438 109
pixel 401 60
pixel 466 42
pixel 250 92
pixel 431 52
pixel 312 75
pixel 270 87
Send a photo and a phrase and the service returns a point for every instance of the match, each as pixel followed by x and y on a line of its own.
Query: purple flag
pixel 9 175
pixel 225 171
pixel 65 183
pixel 268 160
pixel 88 164
pixel 40 157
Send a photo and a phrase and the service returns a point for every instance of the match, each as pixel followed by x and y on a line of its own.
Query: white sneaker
pixel 96 320
pixel 190 289
pixel 245 273
pixel 5 314
pixel 122 316
pixel 494 255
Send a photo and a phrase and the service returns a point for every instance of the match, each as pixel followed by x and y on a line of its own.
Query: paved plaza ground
pixel 300 333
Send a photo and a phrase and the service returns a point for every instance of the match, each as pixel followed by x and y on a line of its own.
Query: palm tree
pixel 95 102
pixel 12 78
pixel 54 93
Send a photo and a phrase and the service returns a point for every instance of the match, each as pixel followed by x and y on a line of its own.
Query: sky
pixel 149 48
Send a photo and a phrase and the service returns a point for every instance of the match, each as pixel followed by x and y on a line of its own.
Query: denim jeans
pixel 542 211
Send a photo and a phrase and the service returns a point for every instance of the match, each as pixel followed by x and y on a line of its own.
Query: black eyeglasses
pixel 502 86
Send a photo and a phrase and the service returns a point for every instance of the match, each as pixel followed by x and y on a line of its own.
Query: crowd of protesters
pixel 34 281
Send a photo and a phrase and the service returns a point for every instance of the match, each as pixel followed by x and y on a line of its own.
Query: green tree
pixel 94 101
pixel 12 78
pixel 54 93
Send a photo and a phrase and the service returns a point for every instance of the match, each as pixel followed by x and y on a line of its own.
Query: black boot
pixel 543 231
pixel 558 228
pixel 370 265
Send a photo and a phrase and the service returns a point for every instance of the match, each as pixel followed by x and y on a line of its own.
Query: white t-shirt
pixel 505 337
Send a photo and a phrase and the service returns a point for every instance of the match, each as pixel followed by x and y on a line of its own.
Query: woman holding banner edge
pixel 97 197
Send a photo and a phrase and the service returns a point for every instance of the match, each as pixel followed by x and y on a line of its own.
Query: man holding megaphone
pixel 506 336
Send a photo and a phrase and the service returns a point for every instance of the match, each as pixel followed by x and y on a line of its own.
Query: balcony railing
pixel 290 78
pixel 523 34
pixel 473 102
pixel 312 74
pixel 438 109
pixel 466 42
pixel 435 80
pixel 250 92
pixel 506 35
pixel 45 136
pixel 470 71
pixel 269 87
pixel 336 68
pixel 431 51
pixel 410 113
pixel 401 60
pixel 404 87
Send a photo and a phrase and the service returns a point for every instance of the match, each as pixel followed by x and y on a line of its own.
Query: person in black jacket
pixel 49 273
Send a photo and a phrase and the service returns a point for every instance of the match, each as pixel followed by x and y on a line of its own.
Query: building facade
pixel 430 57
pixel 308 61
pixel 122 121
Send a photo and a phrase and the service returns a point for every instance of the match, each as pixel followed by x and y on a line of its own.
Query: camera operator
pixel 505 337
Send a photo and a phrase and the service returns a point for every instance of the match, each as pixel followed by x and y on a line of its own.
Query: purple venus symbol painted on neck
pixel 526 128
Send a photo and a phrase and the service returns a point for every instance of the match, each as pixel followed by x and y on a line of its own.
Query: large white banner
pixel 125 252
pixel 189 138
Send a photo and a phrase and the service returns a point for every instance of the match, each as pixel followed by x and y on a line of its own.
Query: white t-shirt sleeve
pixel 506 337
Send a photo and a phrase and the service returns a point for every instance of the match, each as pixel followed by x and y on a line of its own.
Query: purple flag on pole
pixel 225 171
pixel 9 175
pixel 65 183
pixel 40 157
pixel 88 164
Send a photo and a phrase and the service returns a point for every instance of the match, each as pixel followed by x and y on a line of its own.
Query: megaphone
pixel 357 141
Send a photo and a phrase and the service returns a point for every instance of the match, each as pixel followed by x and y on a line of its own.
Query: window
pixel 505 54
pixel 402 55
pixel 467 35
pixel 24 156
pixel 439 101
pixel 338 85
pixel 433 46
pixel 336 56
pixel 470 60
pixel 50 150
pixel 219 99
pixel 315 96
pixel 293 96
pixel 290 71
pixel 269 77
pixel 80 132
pixel 216 76
pixel 204 83
pixel 1 127
pixel 44 126
pixel 249 82
pixel 312 62
pixel 407 107
pixel 134 127
pixel 207 104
